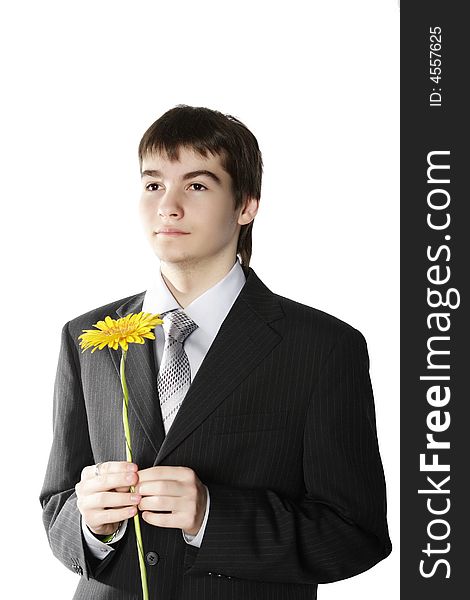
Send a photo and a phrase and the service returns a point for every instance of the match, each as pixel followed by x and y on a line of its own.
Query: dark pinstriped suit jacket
pixel 279 423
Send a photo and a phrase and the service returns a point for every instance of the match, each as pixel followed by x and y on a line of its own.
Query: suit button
pixel 151 558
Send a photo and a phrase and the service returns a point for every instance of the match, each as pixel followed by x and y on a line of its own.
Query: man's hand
pixel 104 500
pixel 177 492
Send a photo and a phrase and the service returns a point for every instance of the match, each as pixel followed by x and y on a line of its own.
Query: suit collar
pixel 208 310
pixel 255 293
pixel 244 339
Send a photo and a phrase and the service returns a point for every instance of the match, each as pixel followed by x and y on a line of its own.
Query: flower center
pixel 123 330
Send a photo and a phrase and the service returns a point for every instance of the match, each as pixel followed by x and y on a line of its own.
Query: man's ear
pixel 248 211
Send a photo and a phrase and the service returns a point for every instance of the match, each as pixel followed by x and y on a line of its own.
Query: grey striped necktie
pixel 174 374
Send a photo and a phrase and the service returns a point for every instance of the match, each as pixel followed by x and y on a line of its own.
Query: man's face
pixel 192 195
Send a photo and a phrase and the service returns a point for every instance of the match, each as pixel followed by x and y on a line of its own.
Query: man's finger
pixel 163 503
pixel 163 472
pixel 108 482
pixel 161 487
pixel 97 518
pixel 161 519
pixel 108 468
pixel 104 500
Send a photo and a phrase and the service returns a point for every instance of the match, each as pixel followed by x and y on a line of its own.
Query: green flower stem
pixel 125 420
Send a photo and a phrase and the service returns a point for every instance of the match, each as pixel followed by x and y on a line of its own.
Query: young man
pixel 256 466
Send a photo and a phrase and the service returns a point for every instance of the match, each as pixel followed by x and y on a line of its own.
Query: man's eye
pixel 152 187
pixel 198 187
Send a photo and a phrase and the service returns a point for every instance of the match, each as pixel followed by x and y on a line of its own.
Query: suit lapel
pixel 243 341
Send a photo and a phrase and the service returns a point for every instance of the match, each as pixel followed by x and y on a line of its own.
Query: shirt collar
pixel 209 309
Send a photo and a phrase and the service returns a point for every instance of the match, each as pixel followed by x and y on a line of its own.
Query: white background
pixel 317 82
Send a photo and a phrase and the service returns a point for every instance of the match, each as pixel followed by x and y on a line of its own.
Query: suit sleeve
pixel 70 453
pixel 337 528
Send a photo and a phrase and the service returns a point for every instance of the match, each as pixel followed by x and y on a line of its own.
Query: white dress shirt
pixel 208 311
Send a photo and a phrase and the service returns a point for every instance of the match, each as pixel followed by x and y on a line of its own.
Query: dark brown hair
pixel 209 131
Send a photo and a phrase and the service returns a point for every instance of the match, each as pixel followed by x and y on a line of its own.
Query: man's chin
pixel 177 259
pixel 171 255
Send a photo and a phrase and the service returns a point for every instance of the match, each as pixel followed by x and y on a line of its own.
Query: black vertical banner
pixel 435 273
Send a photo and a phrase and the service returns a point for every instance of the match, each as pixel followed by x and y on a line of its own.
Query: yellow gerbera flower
pixel 132 328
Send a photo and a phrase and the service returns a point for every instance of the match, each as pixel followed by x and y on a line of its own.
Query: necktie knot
pixel 178 325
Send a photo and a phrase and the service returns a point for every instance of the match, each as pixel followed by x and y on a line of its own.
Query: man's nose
pixel 170 203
